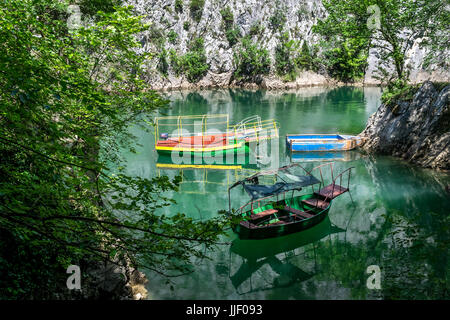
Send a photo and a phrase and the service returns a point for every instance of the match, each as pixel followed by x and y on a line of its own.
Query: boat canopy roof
pixel 290 181
pixel 258 191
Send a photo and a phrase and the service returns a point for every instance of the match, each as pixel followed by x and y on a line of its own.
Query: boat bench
pixel 247 224
pixel 331 191
pixel 275 223
pixel 263 214
pixel 298 213
pixel 314 202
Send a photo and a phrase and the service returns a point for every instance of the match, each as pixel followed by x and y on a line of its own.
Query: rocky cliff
pixel 417 129
pixel 176 22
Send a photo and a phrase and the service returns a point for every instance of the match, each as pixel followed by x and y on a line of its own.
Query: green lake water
pixel 399 220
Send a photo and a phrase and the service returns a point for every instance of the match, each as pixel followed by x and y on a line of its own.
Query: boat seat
pixel 331 191
pixel 313 202
pixel 275 223
pixel 263 214
pixel 247 224
pixel 298 213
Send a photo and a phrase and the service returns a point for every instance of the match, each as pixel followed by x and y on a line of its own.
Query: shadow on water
pixel 277 253
pixel 300 157
pixel 406 188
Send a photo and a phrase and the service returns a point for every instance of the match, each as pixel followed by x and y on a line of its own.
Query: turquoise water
pixel 398 221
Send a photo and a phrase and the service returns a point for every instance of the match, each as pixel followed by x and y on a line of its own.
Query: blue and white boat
pixel 321 142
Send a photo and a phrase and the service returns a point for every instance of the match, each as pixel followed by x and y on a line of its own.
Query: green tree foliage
pixel 348 61
pixel 172 36
pixel 232 33
pixel 156 36
pixel 277 20
pixel 289 60
pixel 227 17
pixel 304 60
pixel 178 6
pixel 285 53
pixel 196 7
pixel 64 198
pixel 401 22
pixel 398 90
pixel 163 65
pixel 256 29
pixel 193 64
pixel 91 7
pixel 251 62
pixel 303 13
pixel 175 62
pixel 194 61
pixel 186 25
pixel 233 36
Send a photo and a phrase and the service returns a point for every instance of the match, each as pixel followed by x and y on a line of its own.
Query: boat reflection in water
pixel 201 177
pixel 325 156
pixel 280 255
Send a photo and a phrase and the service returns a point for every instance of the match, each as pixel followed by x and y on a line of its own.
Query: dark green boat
pixel 266 215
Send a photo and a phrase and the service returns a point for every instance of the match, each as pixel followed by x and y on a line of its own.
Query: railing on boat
pixel 186 126
pixel 191 122
pixel 340 176
pixel 255 120
pixel 319 168
pixel 253 129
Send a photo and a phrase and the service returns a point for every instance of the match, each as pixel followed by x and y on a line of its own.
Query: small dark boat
pixel 266 215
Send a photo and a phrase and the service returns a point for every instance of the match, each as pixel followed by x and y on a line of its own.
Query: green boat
pixel 231 148
pixel 277 209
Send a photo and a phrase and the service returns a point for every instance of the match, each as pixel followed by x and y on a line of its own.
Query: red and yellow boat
pixel 211 134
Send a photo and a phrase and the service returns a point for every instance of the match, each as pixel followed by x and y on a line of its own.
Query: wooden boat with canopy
pixel 212 134
pixel 275 210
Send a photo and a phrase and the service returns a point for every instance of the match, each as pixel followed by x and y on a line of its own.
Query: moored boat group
pixel 282 206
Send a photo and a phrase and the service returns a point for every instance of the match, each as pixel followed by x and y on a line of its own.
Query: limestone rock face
pixel 300 16
pixel 417 130
pixel 305 79
pixel 109 281
pixel 257 18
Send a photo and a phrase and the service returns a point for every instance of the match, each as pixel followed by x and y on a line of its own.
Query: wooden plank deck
pixel 316 203
pixel 263 214
pixel 247 224
pixel 275 223
pixel 331 191
pixel 298 213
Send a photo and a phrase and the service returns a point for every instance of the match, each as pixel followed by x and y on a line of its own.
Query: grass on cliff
pixel 397 91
